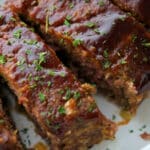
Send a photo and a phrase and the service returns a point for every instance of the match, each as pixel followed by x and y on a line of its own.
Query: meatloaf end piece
pixel 8 136
pixel 107 46
pixel 139 8
pixel 62 107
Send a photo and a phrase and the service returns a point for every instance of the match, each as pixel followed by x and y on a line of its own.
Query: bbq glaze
pixel 99 39
pixel 61 106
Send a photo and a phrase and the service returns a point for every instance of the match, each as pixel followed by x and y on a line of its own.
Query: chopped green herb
pixel 105 54
pixel 97 31
pixel 2 59
pixel 47 21
pixel 13 19
pixel 67 23
pixel 28 52
pixel 62 74
pixel 131 131
pixel 113 117
pixel 101 3
pixel 71 5
pixel 25 130
pixel 17 34
pixel 42 56
pixel 21 63
pixel 76 95
pixel 122 61
pixel 77 42
pixel 106 64
pixel 134 37
pixel 62 110
pixel 90 24
pixel 1 17
pixel 146 44
pixel 51 73
pixel 42 97
pixel 92 107
pixel 49 83
pixel 2 121
pixel 30 42
pixel 68 94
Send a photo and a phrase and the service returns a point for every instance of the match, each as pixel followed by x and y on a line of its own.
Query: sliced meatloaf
pixel 139 8
pixel 107 46
pixel 8 136
pixel 61 106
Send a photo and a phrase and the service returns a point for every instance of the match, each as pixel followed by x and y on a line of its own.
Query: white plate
pixel 125 140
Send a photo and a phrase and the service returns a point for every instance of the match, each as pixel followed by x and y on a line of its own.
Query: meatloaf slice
pixel 107 46
pixel 139 8
pixel 50 93
pixel 8 136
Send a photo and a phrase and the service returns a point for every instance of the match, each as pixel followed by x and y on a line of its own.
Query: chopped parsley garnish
pixel 28 52
pixel 38 66
pixel 67 21
pixel 71 5
pixel 101 3
pixel 51 72
pixel 106 64
pixel 49 83
pixel 76 95
pixel 134 37
pixel 90 24
pixel 30 42
pixel 25 130
pixel 21 63
pixel 42 57
pixel 97 31
pixel 92 107
pixel 131 131
pixel 2 121
pixel 17 34
pixel 62 110
pixel 146 44
pixel 47 21
pixel 2 59
pixel 68 94
pixel 42 97
pixel 62 74
pixel 13 19
pixel 122 61
pixel 1 17
pixel 77 42
pixel 105 54
pixel 113 117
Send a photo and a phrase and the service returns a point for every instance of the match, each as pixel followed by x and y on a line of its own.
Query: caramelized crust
pixel 50 93
pixel 8 136
pixel 107 46
pixel 139 8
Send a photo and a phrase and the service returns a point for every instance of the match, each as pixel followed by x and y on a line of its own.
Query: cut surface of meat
pixel 8 136
pixel 139 8
pixel 61 106
pixel 107 46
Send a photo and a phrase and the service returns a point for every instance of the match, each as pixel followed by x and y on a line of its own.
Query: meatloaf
pixel 8 136
pixel 107 46
pixel 139 8
pixel 61 106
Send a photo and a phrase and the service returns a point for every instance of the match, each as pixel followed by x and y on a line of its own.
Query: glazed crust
pixel 139 8
pixel 62 107
pixel 99 39
pixel 8 136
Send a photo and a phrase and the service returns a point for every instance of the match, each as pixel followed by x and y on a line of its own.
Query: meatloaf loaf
pixel 107 46
pixel 8 136
pixel 139 8
pixel 61 106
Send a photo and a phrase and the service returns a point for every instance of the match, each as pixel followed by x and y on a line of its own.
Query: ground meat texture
pixel 8 136
pixel 61 106
pixel 106 46
pixel 139 8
